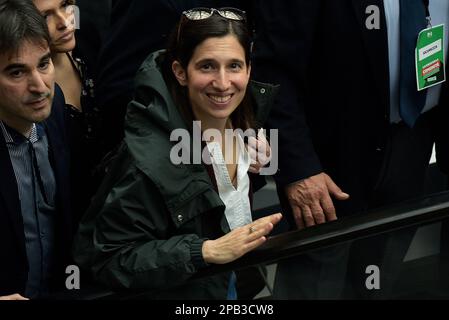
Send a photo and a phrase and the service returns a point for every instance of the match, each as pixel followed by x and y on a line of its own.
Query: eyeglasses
pixel 201 13
pixel 205 13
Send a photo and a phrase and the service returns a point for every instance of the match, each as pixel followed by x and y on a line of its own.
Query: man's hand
pixel 310 200
pixel 13 297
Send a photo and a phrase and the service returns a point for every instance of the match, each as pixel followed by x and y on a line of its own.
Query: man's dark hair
pixel 21 21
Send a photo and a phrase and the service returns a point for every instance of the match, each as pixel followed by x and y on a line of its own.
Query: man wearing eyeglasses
pixel 355 132
pixel 34 222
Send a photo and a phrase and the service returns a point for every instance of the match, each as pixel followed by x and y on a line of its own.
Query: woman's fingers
pixel 263 226
pixel 239 241
pixel 259 151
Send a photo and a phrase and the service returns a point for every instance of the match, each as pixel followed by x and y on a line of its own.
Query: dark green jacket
pixel 147 224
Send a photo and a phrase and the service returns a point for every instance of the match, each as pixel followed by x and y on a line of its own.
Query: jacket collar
pixel 9 193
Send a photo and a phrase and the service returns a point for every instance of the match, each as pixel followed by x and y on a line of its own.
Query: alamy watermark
pixel 372 282
pixel 372 22
pixel 188 148
pixel 73 280
pixel 73 19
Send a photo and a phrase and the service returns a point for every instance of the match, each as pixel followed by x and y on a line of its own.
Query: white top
pixel 238 209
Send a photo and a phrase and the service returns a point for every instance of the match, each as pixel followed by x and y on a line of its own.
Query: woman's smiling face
pixel 216 78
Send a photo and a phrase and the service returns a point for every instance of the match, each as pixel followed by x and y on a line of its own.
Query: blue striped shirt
pixel 36 188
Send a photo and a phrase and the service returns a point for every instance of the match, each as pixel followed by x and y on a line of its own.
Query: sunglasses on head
pixel 205 13
pixel 201 13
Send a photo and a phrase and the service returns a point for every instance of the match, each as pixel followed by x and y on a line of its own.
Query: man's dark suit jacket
pixel 13 258
pixel 333 107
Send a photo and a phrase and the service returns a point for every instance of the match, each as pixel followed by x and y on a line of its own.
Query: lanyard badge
pixel 429 55
pixel 430 62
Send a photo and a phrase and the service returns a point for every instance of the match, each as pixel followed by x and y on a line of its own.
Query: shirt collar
pixel 13 137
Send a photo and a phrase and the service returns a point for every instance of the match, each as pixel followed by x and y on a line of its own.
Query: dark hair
pixel 189 34
pixel 19 21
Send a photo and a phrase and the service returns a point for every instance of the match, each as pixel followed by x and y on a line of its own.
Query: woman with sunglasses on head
pixel 137 28
pixel 78 89
pixel 154 224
